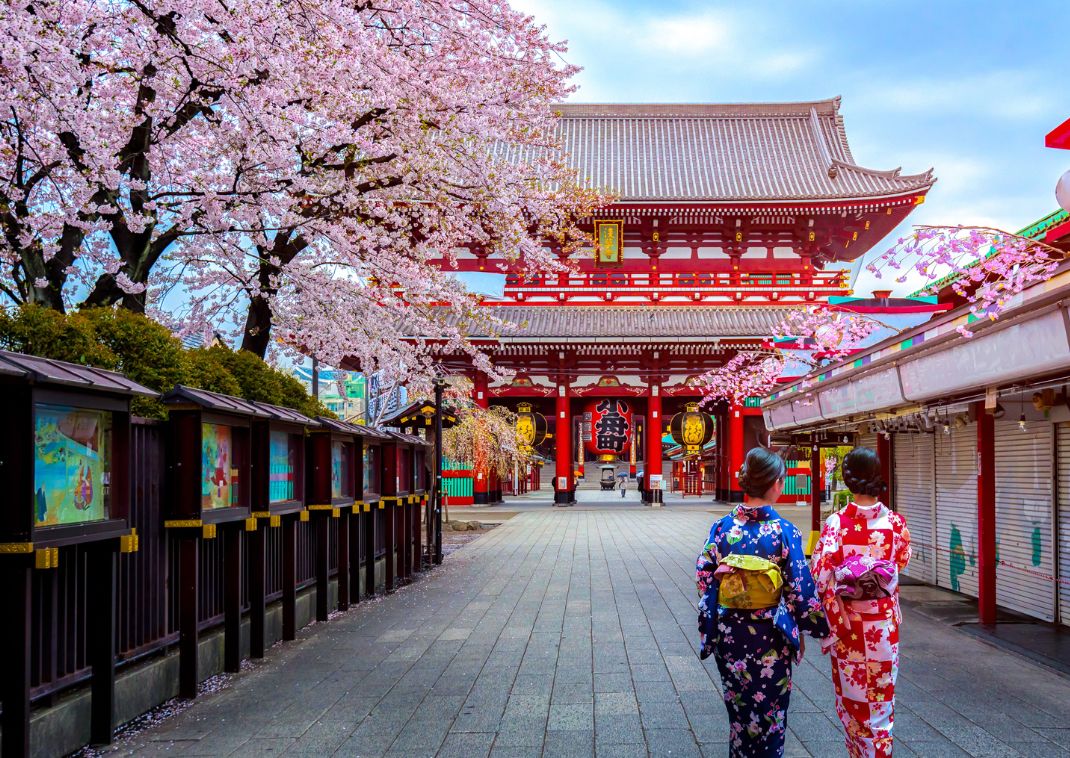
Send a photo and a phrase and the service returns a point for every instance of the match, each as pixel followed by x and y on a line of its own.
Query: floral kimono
pixel 754 648
pixel 865 633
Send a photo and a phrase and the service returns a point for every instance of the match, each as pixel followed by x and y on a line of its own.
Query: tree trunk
pixel 257 334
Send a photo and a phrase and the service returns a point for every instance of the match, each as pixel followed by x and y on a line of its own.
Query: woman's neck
pixel 865 500
pixel 754 502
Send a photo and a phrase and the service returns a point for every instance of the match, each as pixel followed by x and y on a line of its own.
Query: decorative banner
pixel 609 242
pixel 611 427
pixel 530 426
pixel 692 429
pixel 72 464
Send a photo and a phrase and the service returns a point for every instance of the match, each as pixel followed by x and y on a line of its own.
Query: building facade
pixel 725 216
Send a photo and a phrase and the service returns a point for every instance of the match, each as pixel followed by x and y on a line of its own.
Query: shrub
pixel 148 353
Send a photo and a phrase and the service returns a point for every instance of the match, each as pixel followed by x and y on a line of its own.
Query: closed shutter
pixel 869 439
pixel 913 499
pixel 956 509
pixel 1023 518
pixel 1063 576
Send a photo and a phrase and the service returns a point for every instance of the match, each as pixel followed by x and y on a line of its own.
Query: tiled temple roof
pixel 711 153
pixel 639 322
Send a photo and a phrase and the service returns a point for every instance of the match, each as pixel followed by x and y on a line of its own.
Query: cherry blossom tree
pixel 985 266
pixel 301 163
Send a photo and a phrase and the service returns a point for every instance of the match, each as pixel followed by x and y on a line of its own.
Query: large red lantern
pixel 609 428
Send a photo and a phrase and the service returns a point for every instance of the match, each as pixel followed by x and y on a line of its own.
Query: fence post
pixel 15 666
pixel 323 569
pixel 343 558
pixel 257 588
pixel 101 562
pixel 188 629
pixel 232 576
pixel 289 577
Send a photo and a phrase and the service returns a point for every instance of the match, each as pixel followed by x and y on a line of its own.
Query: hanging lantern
pixel 530 426
pixel 611 428
pixel 692 429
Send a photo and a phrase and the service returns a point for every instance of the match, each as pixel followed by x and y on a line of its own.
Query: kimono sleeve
pixel 706 563
pixel 800 592
pixel 901 541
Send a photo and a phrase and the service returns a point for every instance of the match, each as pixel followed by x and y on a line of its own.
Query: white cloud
pixel 700 35
pixel 1003 95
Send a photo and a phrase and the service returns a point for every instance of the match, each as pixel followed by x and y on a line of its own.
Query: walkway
pixel 570 633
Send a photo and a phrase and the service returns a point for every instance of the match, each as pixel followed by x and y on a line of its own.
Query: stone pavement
pixel 571 633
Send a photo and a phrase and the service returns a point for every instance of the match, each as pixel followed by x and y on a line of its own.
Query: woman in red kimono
pixel 856 567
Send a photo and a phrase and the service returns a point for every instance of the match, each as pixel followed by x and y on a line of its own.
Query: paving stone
pixel 567 633
pixel 571 717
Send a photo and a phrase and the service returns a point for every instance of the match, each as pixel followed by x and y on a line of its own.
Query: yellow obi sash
pixel 755 583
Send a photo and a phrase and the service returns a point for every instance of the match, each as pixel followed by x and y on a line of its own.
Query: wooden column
pixel 418 530
pixel 986 516
pixel 735 451
pixel 17 588
pixel 481 486
pixel 815 488
pixel 257 587
pixel 343 559
pixel 885 453
pixel 369 551
pixel 232 576
pixel 389 487
pixel 188 632
pixel 289 577
pixel 322 526
pixel 101 560
pixel 563 445
pixel 655 424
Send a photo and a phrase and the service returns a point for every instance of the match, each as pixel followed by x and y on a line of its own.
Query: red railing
pixel 656 285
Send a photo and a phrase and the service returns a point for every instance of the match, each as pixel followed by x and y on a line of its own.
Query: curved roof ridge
pixel 894 173
pixel 826 107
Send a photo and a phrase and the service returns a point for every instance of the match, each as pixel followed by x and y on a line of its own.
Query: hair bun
pixel 862 472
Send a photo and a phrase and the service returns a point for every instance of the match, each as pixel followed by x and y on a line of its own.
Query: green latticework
pixel 457 486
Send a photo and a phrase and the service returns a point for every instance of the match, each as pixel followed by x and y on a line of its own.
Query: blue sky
pixel 969 89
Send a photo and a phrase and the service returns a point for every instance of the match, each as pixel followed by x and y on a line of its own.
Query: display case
pixel 65 468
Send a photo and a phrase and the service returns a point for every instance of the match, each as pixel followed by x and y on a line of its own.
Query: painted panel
pixel 341 470
pixel 72 464
pixel 219 485
pixel 956 509
pixel 281 467
pixel 1024 526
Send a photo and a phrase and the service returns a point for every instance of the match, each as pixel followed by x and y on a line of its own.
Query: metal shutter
pixel 1063 575
pixel 913 498
pixel 869 439
pixel 956 509
pixel 1023 518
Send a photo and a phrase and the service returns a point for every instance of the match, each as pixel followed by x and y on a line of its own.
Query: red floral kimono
pixel 865 633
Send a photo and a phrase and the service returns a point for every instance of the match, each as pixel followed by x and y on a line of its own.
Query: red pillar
pixel 654 424
pixel 815 488
pixel 480 475
pixel 986 516
pixel 563 463
pixel 735 452
pixel 884 452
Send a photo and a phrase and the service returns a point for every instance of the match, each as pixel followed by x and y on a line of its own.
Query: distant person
pixel 756 596
pixel 856 565
pixel 623 485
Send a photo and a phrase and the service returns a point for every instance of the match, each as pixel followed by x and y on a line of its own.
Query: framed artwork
pixel 341 470
pixel 219 473
pixel 282 466
pixel 609 242
pixel 72 464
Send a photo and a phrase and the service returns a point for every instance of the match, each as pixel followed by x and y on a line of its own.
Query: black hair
pixel 862 472
pixel 760 470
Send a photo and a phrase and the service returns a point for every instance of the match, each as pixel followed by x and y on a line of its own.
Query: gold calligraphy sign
pixel 609 242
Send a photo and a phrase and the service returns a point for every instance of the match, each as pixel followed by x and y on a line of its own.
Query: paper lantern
pixel 1062 191
pixel 609 435
pixel 530 426
pixel 692 429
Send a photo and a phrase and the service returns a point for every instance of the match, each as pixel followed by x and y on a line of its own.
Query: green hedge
pixel 148 353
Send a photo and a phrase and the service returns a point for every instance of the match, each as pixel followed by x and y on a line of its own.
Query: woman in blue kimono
pixel 756 597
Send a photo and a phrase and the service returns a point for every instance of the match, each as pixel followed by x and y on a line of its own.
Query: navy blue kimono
pixel 754 648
